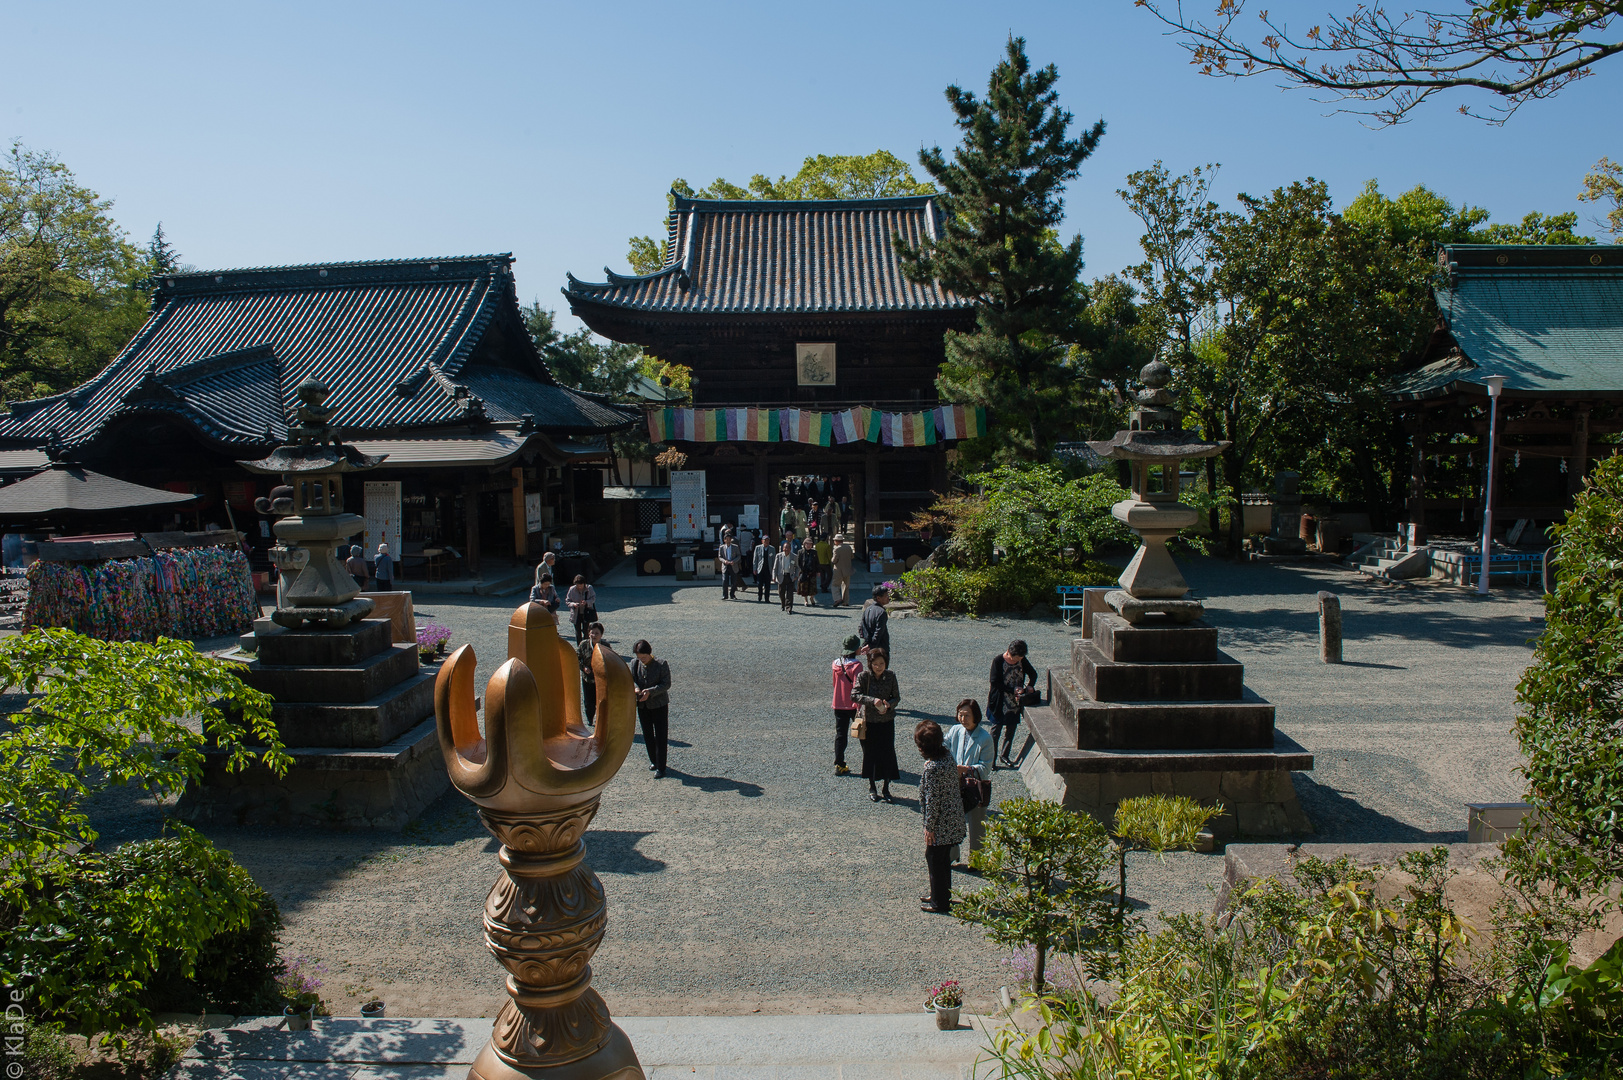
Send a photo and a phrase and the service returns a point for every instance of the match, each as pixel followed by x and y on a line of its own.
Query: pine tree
pixel 1002 194
pixel 162 258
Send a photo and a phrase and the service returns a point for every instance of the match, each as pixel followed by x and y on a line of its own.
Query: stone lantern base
pixel 356 714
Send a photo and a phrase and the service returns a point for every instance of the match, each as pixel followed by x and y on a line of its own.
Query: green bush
pixel 234 971
pixel 46 1054
pixel 1008 586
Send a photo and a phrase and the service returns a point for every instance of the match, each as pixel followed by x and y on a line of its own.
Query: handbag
pixel 1028 695
pixel 975 792
pixel 859 727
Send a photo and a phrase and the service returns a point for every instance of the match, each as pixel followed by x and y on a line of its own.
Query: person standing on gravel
pixel 764 555
pixel 878 693
pixel 942 807
pixel 588 681
pixel 1012 679
pixel 731 558
pixel 785 571
pixel 543 592
pixel 874 630
pixel 652 680
pixel 970 745
pixel 808 572
pixel 846 670
pixel 825 564
pixel 582 601
pixel 356 565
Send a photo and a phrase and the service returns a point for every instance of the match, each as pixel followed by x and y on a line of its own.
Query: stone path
pixel 903 1046
pixel 754 879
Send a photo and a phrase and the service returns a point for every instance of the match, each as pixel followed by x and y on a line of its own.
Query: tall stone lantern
pixel 1154 445
pixel 312 466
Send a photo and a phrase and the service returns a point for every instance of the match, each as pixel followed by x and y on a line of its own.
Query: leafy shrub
pixel 46 1054
pixel 234 971
pixel 1008 586
pixel 1031 513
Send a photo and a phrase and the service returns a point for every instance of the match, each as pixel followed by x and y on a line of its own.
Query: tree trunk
pixel 1231 476
pixel 1039 971
pixel 1213 518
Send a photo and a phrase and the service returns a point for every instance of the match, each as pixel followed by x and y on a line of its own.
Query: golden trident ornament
pixel 536 775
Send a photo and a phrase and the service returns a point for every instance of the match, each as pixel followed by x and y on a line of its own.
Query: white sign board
pixel 382 513
pixel 688 503
pixel 751 517
pixel 532 512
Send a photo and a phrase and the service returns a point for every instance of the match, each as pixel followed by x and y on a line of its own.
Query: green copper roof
pixel 1548 318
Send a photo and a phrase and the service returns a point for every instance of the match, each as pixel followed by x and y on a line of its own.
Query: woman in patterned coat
pixel 942 805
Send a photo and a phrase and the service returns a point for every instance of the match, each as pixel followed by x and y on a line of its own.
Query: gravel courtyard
pixel 753 879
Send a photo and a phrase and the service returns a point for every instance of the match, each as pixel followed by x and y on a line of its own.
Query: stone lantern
pixel 1154 445
pixel 312 466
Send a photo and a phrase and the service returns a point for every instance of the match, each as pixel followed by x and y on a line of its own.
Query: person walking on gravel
pixel 846 670
pixel 877 693
pixel 730 557
pixel 785 571
pixel 942 807
pixel 874 630
pixel 808 572
pixel 588 681
pixel 763 556
pixel 841 561
pixel 652 680
pixel 1013 682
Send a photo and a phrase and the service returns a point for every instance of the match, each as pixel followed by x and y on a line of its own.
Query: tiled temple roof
pixel 1549 318
pixel 776 257
pixel 404 345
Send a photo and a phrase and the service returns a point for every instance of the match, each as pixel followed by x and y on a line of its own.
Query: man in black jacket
pixel 874 630
pixel 763 555
pixel 1012 677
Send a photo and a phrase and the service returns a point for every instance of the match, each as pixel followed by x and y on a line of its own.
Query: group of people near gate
pixel 800 566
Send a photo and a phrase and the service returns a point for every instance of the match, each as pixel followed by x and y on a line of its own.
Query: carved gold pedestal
pixel 537 775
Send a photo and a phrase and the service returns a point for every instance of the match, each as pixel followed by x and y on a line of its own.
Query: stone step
pixel 905 1046
pixel 355 683
pixel 325 648
pixel 1246 723
pixel 370 723
pixel 1106 680
pixel 1121 640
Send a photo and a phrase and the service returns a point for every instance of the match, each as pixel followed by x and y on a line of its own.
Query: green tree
pixel 162 258
pixel 86 931
pixel 880 174
pixel 70 294
pixel 1003 193
pixel 1604 184
pixel 1536 228
pixel 1042 866
pixel 1570 724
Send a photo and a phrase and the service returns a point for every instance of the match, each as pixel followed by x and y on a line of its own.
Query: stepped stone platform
pixel 903 1046
pixel 1155 707
pixel 356 714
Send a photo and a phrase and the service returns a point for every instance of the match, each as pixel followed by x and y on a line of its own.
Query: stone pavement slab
pixel 897 1046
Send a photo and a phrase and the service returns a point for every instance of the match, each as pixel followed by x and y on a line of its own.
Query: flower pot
pixel 946 1018
pixel 373 1010
pixel 297 1019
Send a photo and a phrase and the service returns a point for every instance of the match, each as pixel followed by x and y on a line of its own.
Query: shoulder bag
pixel 859 727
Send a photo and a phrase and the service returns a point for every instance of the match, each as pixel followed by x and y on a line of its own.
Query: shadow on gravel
pixel 717 783
pixel 1277 628
pixel 1339 819
pixel 613 851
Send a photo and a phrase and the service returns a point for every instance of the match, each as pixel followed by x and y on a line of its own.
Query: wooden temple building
pixel 428 362
pixel 1549 319
pixel 812 354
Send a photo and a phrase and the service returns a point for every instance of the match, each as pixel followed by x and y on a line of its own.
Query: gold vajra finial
pixel 536 774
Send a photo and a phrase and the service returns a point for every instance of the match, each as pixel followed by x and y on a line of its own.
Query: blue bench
pixel 1070 601
pixel 1525 563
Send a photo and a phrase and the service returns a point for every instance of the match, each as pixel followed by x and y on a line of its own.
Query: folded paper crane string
pixel 536 774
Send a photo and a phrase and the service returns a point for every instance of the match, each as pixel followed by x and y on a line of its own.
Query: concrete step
pixel 902 1046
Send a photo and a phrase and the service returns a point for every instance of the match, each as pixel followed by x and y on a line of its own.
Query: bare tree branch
pixel 1389 64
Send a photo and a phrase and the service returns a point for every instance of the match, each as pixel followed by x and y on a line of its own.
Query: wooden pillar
pixel 521 530
pixel 870 490
pixel 470 501
pixel 1417 475
pixel 1578 464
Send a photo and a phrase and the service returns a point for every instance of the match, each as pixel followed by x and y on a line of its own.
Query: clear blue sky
pixel 270 134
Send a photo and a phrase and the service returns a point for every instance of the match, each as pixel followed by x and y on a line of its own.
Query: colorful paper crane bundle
pixel 187 593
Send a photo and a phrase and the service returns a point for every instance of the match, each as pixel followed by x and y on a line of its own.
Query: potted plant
pixel 300 984
pixel 432 639
pixel 373 1010
pixel 945 1001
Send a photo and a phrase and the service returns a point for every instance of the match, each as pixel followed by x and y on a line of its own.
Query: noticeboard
pixel 688 509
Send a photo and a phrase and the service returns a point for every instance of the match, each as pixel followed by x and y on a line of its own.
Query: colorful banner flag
pixel 961 421
pixel 661 425
pixel 855 425
pixel 908 429
pixel 806 426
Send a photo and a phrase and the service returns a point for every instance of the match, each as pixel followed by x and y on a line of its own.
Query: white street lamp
pixel 1495 383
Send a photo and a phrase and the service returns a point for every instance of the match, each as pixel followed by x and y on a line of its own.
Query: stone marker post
pixel 1329 628
pixel 536 774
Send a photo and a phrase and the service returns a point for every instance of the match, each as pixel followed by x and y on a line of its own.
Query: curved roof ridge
pixel 682 203
pixel 505 256
pixel 613 279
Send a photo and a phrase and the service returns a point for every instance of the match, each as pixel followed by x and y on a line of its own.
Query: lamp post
pixel 1495 383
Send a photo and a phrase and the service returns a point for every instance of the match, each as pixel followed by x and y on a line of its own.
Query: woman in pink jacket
pixel 846 669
